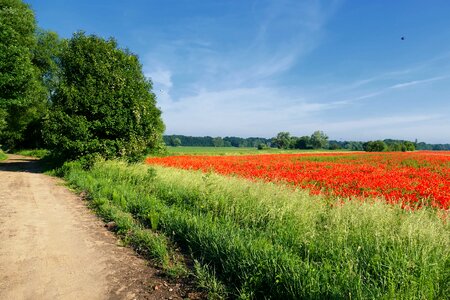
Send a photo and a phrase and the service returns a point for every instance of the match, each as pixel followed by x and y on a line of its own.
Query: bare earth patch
pixel 53 247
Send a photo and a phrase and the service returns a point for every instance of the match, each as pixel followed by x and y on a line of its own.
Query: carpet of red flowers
pixel 413 178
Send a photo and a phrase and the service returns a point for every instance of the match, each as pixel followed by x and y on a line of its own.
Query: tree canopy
pixel 283 140
pixel 319 140
pixel 102 103
pixel 375 146
pixel 22 95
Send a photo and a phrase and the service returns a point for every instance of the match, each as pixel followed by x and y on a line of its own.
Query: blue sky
pixel 255 68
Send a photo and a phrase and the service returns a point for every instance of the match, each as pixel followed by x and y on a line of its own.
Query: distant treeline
pixel 208 141
pixel 299 143
pixel 390 145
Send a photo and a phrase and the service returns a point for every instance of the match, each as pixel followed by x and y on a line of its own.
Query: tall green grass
pixel 268 241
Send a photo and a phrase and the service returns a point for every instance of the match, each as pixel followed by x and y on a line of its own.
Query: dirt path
pixel 53 247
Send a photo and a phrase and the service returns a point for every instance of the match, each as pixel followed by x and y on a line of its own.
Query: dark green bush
pixel 375 146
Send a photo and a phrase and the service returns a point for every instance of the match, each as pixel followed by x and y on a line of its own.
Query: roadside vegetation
pixel 3 156
pixel 38 153
pixel 263 240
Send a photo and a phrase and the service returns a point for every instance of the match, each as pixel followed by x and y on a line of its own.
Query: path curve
pixel 53 247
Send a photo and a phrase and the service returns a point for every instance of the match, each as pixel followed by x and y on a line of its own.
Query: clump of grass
pixel 206 279
pixel 3 156
pixel 265 240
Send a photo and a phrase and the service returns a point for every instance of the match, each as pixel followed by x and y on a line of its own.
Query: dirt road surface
pixel 53 247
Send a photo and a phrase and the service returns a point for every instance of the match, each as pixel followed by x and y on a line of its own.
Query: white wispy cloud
pixel 283 33
pixel 385 90
pixel 268 55
pixel 391 76
pixel 416 82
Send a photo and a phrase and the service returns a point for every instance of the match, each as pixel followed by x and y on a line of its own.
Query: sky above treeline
pixel 358 70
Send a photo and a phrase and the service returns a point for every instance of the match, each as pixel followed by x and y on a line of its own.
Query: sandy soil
pixel 53 247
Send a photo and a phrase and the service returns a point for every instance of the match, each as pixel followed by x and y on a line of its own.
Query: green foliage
pixel 319 140
pixel 39 153
pixel 334 146
pixel 389 145
pixel 22 95
pixel 375 146
pixel 3 156
pixel 218 142
pixel 303 142
pixel 207 141
pixel 263 146
pixel 46 57
pixel 268 241
pixel 425 146
pixel 283 140
pixel 3 121
pixel 102 103
pixel 174 141
pixel 409 146
pixel 353 146
pixel 400 146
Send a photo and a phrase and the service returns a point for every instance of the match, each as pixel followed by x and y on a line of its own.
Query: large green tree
pixel 283 140
pixel 319 140
pixel 21 91
pixel 102 103
pixel 46 59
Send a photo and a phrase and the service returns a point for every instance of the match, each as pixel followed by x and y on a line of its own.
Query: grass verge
pixel 38 153
pixel 3 156
pixel 266 241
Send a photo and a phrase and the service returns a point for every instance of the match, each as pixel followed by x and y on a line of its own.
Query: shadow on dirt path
pixel 16 163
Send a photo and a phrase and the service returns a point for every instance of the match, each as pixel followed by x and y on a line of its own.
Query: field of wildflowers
pixel 413 179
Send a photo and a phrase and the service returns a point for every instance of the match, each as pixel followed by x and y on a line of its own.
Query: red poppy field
pixel 413 179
